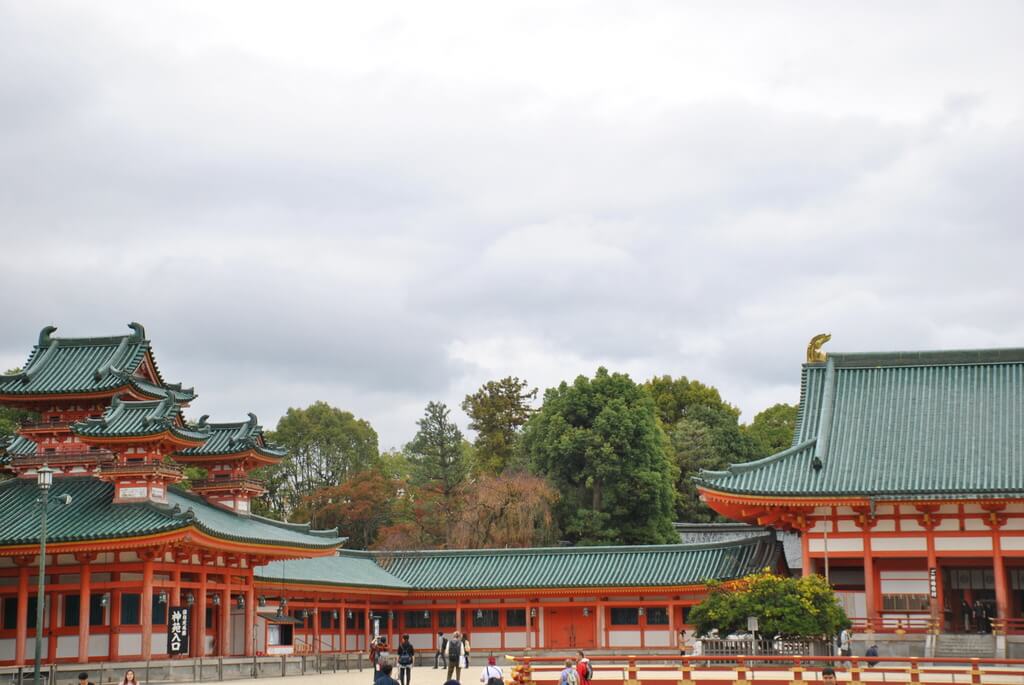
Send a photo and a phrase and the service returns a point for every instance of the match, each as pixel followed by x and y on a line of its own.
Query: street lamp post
pixel 44 479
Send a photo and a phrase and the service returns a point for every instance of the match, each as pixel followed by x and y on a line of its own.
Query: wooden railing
pixel 775 670
pixel 1008 626
pixel 894 624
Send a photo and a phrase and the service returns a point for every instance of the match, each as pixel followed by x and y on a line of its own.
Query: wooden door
pixel 568 628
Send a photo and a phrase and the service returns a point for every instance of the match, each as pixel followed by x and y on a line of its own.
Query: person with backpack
pixel 569 676
pixel 491 670
pixel 583 668
pixel 406 653
pixel 442 647
pixel 456 650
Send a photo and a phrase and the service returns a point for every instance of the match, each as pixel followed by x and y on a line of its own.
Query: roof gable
pixel 898 424
pixel 66 366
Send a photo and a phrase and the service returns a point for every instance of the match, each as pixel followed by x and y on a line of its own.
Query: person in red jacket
pixel 584 668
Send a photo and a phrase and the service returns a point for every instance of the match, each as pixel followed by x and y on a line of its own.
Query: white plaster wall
pixel 515 640
pixel 1014 523
pixel 1012 543
pixel 67 646
pixel 836 545
pixel 158 643
pixel 129 643
pixel 485 640
pixel 899 544
pixel 848 527
pixel 657 638
pixel 885 526
pixel 975 524
pixel 971 544
pixel 911 525
pixel 422 643
pixel 623 638
pixel 99 645
pixel 7 650
pixel 948 524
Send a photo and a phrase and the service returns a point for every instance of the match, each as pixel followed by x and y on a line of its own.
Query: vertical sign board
pixel 177 630
pixel 933 586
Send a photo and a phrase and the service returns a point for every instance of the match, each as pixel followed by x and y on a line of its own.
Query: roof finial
pixel 140 332
pixel 814 353
pixel 44 335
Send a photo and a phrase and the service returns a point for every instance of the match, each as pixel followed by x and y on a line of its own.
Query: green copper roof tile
pixel 92 515
pixel 348 568
pixel 232 438
pixel 87 365
pixel 125 418
pixel 920 424
pixel 537 568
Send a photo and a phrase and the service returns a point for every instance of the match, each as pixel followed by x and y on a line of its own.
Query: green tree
pixel 705 433
pixel 439 459
pixel 599 442
pixel 791 607
pixel 497 412
pixel 360 507
pixel 772 430
pixel 325 446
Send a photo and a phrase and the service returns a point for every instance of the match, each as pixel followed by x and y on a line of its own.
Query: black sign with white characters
pixel 178 630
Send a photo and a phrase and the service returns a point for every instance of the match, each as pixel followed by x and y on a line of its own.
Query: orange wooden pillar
pixel 199 648
pixel 84 600
pixel 146 602
pixel 250 612
pixel 114 650
pixel 224 638
pixel 22 628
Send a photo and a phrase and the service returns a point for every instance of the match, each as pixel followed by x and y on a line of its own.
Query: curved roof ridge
pixel 995 355
pixel 757 463
pixel 586 550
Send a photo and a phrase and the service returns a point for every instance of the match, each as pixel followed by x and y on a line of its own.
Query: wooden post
pixel 224 639
pixel 84 600
pixel 250 611
pixel 22 627
pixel 199 631
pixel 115 617
pixel 147 605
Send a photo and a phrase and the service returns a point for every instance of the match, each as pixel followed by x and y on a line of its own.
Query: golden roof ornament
pixel 814 353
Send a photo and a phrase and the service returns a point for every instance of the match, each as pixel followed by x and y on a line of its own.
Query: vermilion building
pixel 134 543
pixel 906 482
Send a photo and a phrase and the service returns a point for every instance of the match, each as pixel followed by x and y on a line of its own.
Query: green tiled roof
pixel 139 419
pixel 232 438
pixel 357 569
pixel 537 568
pixel 87 365
pixel 92 515
pixel 897 424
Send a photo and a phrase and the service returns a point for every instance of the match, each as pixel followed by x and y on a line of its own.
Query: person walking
pixel 491 670
pixel 583 668
pixel 439 653
pixel 406 653
pixel 129 678
pixel 465 650
pixel 569 675
pixel 83 679
pixel 455 651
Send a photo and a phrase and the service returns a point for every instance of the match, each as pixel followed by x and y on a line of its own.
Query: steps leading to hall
pixel 966 645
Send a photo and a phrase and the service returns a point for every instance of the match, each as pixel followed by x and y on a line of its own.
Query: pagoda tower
pixel 69 380
pixel 141 436
pixel 230 452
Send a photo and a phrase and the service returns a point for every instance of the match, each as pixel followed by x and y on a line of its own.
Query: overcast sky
pixel 379 204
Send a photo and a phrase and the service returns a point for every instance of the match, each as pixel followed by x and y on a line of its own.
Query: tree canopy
pixel 600 444
pixel 772 429
pixel 791 607
pixel 497 412
pixel 325 446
